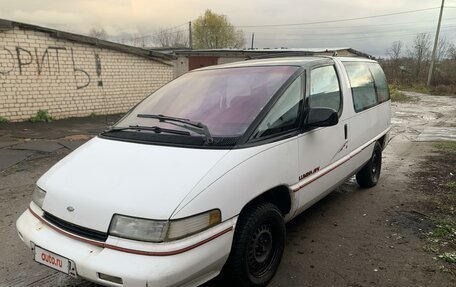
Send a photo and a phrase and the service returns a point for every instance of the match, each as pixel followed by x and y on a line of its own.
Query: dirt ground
pixel 384 236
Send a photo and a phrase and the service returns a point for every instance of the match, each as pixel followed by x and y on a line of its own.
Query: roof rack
pixel 281 54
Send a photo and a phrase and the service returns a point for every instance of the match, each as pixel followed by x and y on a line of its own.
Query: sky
pixel 134 18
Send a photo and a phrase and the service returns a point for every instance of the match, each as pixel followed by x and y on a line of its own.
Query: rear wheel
pixel 258 245
pixel 370 173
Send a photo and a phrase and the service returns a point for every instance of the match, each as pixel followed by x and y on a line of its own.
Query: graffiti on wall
pixel 50 60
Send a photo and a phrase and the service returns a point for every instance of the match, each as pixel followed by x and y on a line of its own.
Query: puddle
pixel 421 120
pixel 416 222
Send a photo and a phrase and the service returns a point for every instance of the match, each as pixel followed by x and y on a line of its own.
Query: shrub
pixel 41 116
pixel 398 96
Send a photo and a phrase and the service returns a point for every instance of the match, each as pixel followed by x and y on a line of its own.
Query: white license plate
pixel 52 260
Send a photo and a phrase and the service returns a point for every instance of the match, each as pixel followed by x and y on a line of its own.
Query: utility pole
pixel 253 38
pixel 190 42
pixel 436 42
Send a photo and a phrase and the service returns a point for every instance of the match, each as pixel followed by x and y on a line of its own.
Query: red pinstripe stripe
pixel 322 174
pixel 167 253
pixel 328 171
pixel 133 251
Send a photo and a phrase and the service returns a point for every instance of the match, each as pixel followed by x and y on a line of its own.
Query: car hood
pixel 105 177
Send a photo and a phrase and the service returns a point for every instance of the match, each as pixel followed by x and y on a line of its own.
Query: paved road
pixel 347 239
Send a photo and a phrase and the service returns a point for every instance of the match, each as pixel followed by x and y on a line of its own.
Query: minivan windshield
pixel 226 101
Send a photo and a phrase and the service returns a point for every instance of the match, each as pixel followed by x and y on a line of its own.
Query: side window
pixel 284 115
pixel 380 82
pixel 362 85
pixel 325 89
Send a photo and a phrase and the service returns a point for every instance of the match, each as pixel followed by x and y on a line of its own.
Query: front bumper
pixel 191 267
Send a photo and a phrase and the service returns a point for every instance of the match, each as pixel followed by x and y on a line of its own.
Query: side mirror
pixel 321 117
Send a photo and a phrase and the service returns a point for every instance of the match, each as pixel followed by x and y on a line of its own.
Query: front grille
pixel 75 229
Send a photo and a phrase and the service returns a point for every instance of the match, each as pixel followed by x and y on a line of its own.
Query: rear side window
pixel 362 85
pixel 380 82
pixel 325 89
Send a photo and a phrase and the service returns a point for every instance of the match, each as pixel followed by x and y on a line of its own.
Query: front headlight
pixel 162 230
pixel 138 228
pixel 38 196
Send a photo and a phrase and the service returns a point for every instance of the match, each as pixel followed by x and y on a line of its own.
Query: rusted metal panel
pixel 195 62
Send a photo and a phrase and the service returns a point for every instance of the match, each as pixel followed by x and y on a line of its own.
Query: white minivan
pixel 203 174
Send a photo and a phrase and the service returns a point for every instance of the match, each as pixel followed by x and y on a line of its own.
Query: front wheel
pixel 258 245
pixel 370 173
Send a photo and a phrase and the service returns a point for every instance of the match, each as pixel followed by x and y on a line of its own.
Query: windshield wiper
pixel 196 127
pixel 155 129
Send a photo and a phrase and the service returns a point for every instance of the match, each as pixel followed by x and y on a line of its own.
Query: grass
pixel 418 88
pixel 398 96
pixel 41 116
pixel 439 90
pixel 440 240
pixel 441 206
pixel 447 146
pixel 3 120
pixel 449 257
pixel 442 231
pixel 451 185
pixel 92 114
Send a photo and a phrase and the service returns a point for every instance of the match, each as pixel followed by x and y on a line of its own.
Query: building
pixel 188 59
pixel 72 75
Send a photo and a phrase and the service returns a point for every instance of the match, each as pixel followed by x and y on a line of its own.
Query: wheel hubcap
pixel 374 163
pixel 375 166
pixel 261 251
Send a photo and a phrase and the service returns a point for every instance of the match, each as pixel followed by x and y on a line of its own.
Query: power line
pixel 451 28
pixel 162 30
pixel 364 32
pixel 351 26
pixel 281 26
pixel 341 20
pixel 355 36
pixel 352 30
pixel 167 29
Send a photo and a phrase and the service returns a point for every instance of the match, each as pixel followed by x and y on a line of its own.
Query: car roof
pixel 303 61
pixel 356 59
pixel 280 61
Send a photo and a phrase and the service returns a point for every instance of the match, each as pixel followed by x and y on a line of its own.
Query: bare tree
pixel 452 52
pixel 408 67
pixel 168 38
pixel 395 51
pixel 443 50
pixel 99 33
pixel 122 39
pixel 139 41
pixel 420 52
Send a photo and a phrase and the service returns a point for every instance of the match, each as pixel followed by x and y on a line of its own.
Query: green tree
pixel 213 31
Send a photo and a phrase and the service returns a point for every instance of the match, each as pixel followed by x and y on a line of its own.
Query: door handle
pixel 346 131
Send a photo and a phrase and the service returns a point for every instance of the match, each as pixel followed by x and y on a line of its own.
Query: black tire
pixel 258 245
pixel 370 173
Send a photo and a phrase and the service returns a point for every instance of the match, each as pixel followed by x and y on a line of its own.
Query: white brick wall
pixel 39 72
